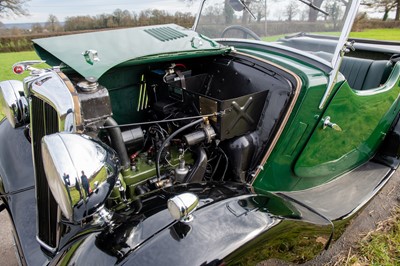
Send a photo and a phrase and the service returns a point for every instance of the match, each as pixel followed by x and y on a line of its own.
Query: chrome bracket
pixel 327 123
pixel 91 56
pixel 347 47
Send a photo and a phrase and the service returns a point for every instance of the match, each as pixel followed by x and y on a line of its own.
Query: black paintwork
pixel 230 224
pixel 15 158
pixel 389 151
pixel 16 170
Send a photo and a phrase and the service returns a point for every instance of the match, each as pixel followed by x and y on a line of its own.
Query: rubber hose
pixel 199 168
pixel 117 142
pixel 165 143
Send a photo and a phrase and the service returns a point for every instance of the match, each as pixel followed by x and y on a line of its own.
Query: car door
pixel 362 119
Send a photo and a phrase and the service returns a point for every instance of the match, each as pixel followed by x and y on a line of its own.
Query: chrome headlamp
pixel 81 173
pixel 13 103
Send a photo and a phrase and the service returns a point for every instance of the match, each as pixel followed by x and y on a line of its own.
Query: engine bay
pixel 206 119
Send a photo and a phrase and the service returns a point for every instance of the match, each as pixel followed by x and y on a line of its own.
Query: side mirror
pixel 237 5
pixel 240 5
pixel 12 102
pixel 81 173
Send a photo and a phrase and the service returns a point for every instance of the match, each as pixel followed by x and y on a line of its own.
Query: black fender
pixel 241 228
pixel 18 193
pixel 16 165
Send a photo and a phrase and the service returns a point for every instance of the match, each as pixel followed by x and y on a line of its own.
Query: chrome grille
pixel 44 121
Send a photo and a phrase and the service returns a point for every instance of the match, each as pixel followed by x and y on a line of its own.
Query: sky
pixel 40 9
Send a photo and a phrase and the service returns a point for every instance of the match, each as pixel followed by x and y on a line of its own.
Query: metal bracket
pixel 347 47
pixel 327 123
pixel 91 56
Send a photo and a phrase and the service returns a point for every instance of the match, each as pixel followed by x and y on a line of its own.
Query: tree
pixel 229 13
pixel 126 19
pixel 333 8
pixel 9 7
pixel 313 13
pixel 292 10
pixel 122 18
pixel 259 10
pixel 246 15
pixel 347 3
pixel 384 6
pixel 37 28
pixel 52 23
pixel 102 21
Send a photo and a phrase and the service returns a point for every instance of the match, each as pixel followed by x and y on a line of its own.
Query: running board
pixel 344 196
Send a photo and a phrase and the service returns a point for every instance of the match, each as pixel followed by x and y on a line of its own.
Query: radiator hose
pixel 117 142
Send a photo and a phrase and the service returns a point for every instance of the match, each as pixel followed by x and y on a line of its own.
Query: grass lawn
pixel 7 60
pixel 378 34
pixel 379 247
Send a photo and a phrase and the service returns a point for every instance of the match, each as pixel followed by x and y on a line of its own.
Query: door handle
pixel 327 123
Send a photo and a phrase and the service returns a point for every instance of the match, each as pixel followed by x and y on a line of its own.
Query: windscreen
pixel 312 28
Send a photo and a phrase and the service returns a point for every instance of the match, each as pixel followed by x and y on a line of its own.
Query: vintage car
pixel 162 145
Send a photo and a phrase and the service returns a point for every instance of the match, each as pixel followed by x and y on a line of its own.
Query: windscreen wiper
pixel 240 5
pixel 248 10
pixel 314 7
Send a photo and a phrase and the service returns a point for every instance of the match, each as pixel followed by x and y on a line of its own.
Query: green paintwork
pixel 120 46
pixel 278 173
pixel 123 87
pixel 123 84
pixel 364 116
pixel 300 158
pixel 307 156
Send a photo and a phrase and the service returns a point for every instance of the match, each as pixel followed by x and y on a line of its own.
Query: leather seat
pixel 362 74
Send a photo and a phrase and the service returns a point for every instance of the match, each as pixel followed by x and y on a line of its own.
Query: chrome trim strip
pixel 78 120
pixel 196 22
pixel 44 245
pixel 55 92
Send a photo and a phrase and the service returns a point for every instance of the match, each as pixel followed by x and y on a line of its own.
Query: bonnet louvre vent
pixel 165 34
